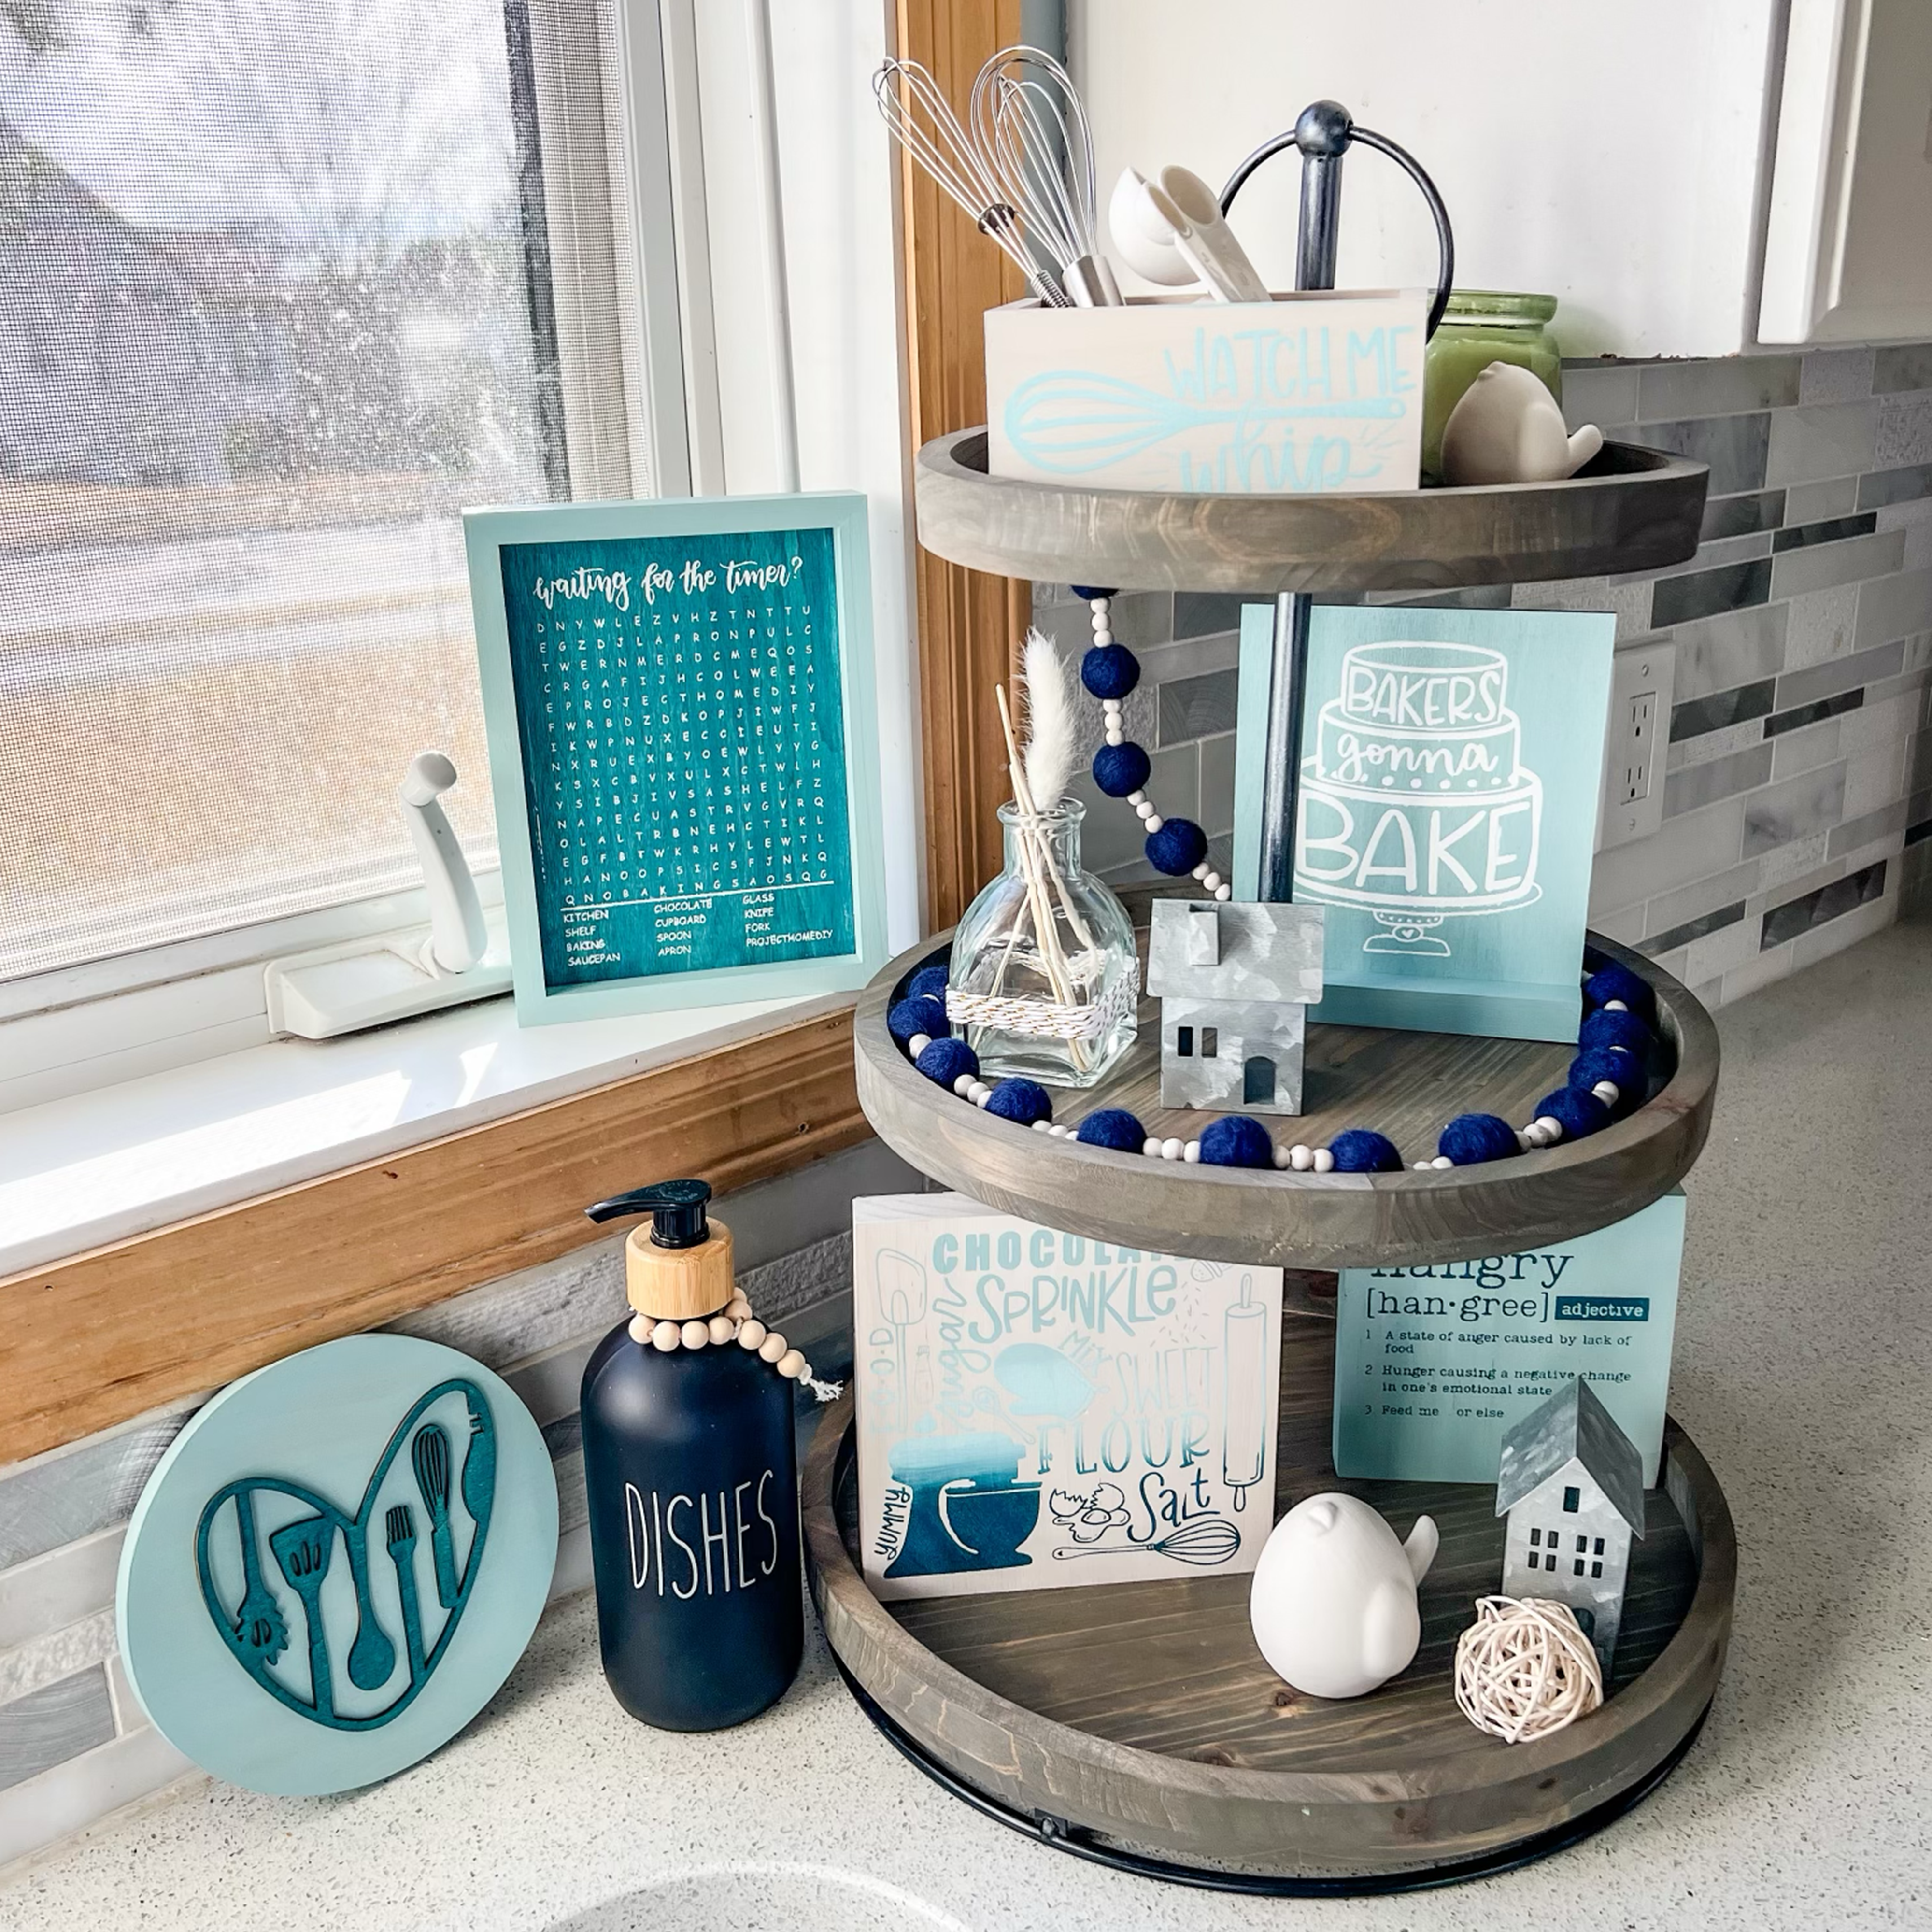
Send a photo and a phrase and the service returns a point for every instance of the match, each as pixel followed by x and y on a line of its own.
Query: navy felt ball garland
pixel 1121 769
pixel 1605 1081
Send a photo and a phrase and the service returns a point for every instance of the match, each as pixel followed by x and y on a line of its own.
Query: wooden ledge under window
pixel 96 1338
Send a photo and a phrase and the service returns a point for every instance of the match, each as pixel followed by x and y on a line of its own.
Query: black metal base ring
pixel 1081 1843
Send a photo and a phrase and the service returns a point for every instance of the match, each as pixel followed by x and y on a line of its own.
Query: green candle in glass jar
pixel 1481 326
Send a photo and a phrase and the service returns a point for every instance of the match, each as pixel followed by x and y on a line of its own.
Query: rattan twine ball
pixel 1525 1669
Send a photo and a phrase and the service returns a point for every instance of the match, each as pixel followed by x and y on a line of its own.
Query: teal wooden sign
pixel 1435 1364
pixel 1451 766
pixel 683 748
pixel 337 1563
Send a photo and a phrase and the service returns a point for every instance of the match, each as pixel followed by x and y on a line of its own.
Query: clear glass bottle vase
pixel 1043 962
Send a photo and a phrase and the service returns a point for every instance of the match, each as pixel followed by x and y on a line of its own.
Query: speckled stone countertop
pixel 1804 1370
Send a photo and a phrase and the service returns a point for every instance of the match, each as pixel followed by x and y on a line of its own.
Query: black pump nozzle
pixel 676 1209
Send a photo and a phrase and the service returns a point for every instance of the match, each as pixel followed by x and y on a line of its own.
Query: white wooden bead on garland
pixel 1524 1668
pixel 1114 736
pixel 733 1322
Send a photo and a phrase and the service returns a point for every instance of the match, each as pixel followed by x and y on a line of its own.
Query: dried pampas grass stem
pixel 1052 746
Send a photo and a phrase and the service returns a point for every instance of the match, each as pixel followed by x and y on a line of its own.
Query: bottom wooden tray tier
pixel 1141 1718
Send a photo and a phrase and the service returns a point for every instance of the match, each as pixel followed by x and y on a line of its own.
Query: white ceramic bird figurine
pixel 1333 1604
pixel 1507 428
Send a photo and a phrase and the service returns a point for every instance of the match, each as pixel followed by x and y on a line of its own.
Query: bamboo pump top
pixel 678 1269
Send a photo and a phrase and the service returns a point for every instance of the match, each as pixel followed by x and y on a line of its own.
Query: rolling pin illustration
pixel 1244 1410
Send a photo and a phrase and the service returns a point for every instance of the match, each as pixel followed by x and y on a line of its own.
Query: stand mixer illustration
pixel 969 1511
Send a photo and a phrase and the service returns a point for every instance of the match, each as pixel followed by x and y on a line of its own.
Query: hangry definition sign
pixel 1434 1365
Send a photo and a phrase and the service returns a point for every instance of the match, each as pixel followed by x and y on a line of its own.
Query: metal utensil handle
pixel 1324 131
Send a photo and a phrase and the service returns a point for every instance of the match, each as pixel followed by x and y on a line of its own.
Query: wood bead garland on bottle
pixel 734 1322
pixel 1607 1078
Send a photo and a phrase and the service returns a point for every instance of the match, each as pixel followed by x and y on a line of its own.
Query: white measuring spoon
pixel 1171 231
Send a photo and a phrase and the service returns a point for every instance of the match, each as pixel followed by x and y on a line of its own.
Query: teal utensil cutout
pixel 260 1623
pixel 372 1657
pixel 304 1550
pixel 401 1529
pixel 429 1455
pixel 280 1612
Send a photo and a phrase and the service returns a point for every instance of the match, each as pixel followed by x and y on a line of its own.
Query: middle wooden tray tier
pixel 1629 509
pixel 1406 1085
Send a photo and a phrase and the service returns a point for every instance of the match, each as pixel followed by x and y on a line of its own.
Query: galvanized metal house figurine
pixel 1571 1483
pixel 1234 982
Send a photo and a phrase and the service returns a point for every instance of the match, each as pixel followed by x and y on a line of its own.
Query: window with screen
pixel 277 300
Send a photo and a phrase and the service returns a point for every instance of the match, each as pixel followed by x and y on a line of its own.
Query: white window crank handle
pixel 457 938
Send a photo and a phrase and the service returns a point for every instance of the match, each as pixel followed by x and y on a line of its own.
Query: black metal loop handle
pixel 1337 132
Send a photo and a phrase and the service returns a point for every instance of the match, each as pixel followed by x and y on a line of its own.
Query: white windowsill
pixel 103 1166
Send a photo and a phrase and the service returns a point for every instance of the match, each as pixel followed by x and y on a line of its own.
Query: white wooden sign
pixel 1308 392
pixel 1037 1408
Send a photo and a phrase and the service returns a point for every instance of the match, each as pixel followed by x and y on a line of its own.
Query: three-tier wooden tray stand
pixel 1135 1724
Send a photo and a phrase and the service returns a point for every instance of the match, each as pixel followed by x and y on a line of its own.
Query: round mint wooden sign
pixel 337 1564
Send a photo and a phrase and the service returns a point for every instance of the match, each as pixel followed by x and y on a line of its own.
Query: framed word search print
pixel 683 748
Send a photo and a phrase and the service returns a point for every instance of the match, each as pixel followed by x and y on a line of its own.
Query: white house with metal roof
pixel 1571 1483
pixel 1234 981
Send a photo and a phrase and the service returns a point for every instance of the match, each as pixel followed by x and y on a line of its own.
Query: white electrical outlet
pixel 1636 744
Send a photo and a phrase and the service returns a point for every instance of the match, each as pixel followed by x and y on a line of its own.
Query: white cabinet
pixel 1848 242
pixel 1620 158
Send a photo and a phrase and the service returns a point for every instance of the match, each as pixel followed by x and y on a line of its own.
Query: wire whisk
pixel 1030 128
pixel 921 121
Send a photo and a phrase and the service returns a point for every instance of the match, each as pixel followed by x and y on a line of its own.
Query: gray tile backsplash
pixel 1827 439
pixel 1743 383
pixel 60 1499
pixel 1738 648
pixel 1701 785
pixel 1799 742
pixel 49 1726
pixel 1904 366
pixel 1804 502
pixel 1737 448
pixel 1736 516
pixel 1780 813
pixel 1904 430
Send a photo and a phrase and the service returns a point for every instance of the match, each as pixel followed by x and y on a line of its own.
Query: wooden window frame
pixel 97 1338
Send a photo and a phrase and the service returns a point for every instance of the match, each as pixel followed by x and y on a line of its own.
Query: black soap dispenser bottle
pixel 691 1473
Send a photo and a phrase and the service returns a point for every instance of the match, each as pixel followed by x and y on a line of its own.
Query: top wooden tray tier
pixel 1405 1085
pixel 1630 509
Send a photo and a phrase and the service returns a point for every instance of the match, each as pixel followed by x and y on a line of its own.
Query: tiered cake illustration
pixel 1415 805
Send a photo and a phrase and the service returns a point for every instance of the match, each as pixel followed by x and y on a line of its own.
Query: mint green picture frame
pixel 602 536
